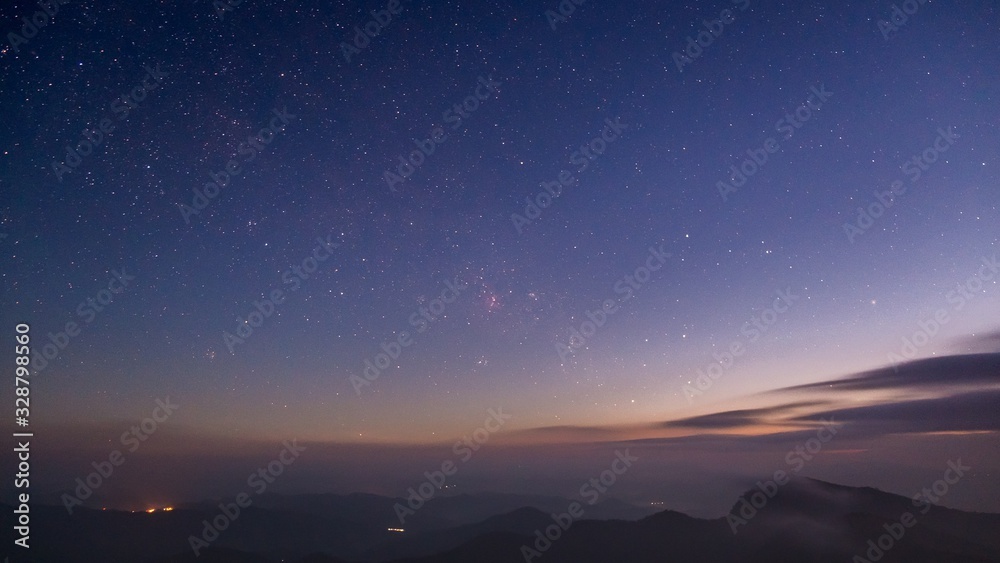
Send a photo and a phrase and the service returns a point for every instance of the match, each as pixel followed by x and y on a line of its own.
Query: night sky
pixel 799 183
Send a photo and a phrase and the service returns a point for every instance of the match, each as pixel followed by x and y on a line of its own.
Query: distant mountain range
pixel 806 520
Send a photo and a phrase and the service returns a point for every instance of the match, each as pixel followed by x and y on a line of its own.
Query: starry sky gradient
pixel 495 345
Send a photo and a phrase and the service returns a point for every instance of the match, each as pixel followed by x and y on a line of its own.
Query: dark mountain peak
pixel 809 498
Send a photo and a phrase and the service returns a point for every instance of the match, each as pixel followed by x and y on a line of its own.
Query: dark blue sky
pixel 782 270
